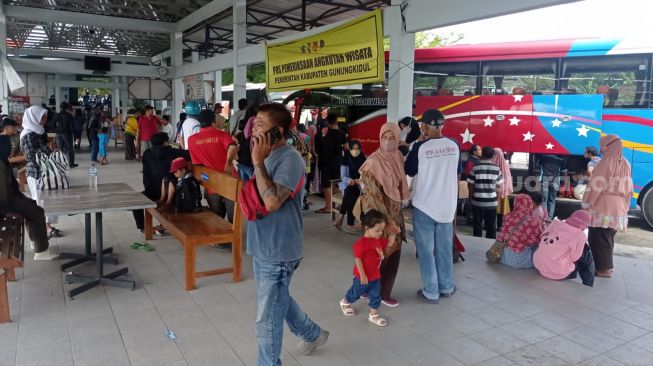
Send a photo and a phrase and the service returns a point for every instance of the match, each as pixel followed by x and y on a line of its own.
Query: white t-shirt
pixel 169 129
pixel 190 127
pixel 436 162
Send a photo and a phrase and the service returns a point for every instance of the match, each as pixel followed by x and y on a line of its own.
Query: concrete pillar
pixel 177 60
pixel 58 97
pixel 402 52
pixel 217 79
pixel 240 41
pixel 116 98
pixel 4 87
pixel 124 93
pixel 195 57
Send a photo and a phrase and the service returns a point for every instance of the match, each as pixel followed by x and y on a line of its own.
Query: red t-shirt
pixel 147 127
pixel 209 148
pixel 367 250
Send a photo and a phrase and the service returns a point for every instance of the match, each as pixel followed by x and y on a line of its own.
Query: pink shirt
pixel 560 247
pixel 540 213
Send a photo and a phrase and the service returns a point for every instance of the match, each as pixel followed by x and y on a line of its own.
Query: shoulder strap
pixel 519 224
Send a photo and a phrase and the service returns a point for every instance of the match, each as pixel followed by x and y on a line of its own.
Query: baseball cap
pixel 178 163
pixel 8 121
pixel 433 117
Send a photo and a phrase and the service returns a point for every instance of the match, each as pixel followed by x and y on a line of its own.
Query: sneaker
pixel 306 348
pixel 47 255
pixel 390 302
pixel 420 294
pixel 449 294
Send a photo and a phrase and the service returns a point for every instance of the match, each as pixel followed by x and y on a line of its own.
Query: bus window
pixel 446 78
pixel 501 77
pixel 620 78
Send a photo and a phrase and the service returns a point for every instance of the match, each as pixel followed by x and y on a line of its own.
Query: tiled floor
pixel 498 317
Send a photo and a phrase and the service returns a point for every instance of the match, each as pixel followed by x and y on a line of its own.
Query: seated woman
pixel 13 200
pixel 521 232
pixel 350 186
pixel 561 247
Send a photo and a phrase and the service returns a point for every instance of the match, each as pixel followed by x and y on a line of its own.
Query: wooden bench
pixel 205 227
pixel 12 251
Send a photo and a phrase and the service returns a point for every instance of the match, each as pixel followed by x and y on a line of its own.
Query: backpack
pixel 188 197
pixel 251 202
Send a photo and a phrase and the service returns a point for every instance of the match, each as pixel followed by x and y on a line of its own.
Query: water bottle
pixel 92 176
pixel 170 334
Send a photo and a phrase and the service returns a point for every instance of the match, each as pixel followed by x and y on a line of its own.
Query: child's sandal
pixel 346 308
pixel 377 320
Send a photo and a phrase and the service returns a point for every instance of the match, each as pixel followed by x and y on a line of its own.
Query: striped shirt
pixel 485 177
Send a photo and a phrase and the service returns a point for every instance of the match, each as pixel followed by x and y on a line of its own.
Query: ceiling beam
pixel 73 55
pixel 102 21
pixel 207 11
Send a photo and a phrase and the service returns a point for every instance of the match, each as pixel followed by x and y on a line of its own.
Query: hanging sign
pixel 193 87
pixel 351 53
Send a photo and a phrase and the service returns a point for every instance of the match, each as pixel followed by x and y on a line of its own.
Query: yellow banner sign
pixel 351 53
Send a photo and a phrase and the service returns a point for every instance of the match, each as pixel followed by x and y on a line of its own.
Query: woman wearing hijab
pixel 503 207
pixel 350 185
pixel 13 200
pixel 561 247
pixel 607 197
pixel 521 232
pixel 384 189
pixel 33 140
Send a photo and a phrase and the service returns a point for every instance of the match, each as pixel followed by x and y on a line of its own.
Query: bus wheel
pixel 647 207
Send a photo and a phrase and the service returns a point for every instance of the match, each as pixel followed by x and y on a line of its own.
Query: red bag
pixel 251 203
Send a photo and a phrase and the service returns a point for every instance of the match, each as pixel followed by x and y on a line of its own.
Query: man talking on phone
pixel 275 241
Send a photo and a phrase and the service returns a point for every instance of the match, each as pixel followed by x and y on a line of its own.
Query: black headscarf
pixel 5 148
pixel 354 163
pixel 5 152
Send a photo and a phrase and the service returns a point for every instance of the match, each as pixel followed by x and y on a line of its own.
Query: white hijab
pixel 32 120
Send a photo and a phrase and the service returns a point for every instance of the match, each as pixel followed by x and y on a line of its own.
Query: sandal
pixel 377 320
pixel 604 273
pixel 346 308
pixel 145 247
pixel 323 211
pixel 54 233
pixel 338 226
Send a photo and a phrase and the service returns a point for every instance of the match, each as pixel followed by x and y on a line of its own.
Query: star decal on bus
pixel 528 136
pixel 583 130
pixel 549 146
pixel 468 137
pixel 556 122
pixel 514 121
pixel 488 122
pixel 518 98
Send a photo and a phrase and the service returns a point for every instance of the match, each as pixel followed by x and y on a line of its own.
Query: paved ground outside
pixel 499 316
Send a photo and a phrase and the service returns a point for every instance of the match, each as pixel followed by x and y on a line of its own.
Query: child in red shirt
pixel 368 254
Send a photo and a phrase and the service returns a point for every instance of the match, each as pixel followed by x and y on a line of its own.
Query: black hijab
pixel 5 152
pixel 354 163
pixel 5 148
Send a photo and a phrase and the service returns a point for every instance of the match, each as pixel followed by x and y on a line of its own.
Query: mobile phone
pixel 275 135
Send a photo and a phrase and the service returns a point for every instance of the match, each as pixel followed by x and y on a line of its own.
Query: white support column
pixel 4 87
pixel 217 79
pixel 239 41
pixel 124 93
pixel 177 60
pixel 116 97
pixel 58 98
pixel 400 70
pixel 195 57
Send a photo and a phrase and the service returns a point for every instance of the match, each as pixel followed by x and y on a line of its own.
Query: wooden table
pixel 86 200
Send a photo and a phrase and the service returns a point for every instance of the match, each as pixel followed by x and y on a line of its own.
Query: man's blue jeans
pixel 550 188
pixel 276 305
pixel 434 242
pixel 246 172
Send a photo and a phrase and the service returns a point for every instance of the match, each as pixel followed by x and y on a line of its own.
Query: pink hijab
pixel 387 167
pixel 611 186
pixel 499 161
